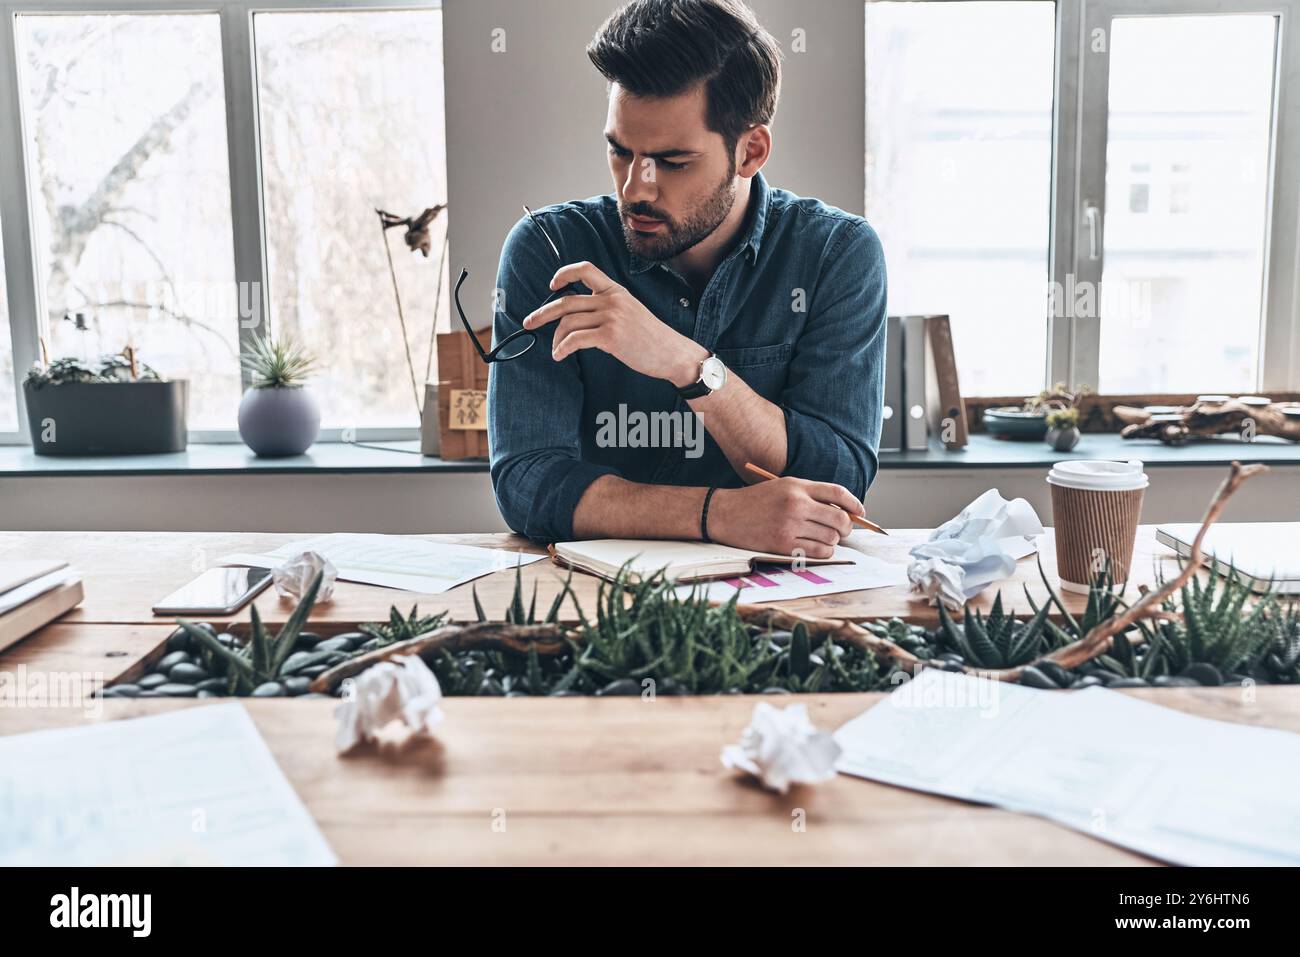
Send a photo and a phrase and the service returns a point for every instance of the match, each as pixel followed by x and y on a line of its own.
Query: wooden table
pixel 126 572
pixel 576 780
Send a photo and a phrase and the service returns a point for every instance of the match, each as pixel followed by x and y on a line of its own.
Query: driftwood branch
pixel 1203 419
pixel 546 640
pixel 840 630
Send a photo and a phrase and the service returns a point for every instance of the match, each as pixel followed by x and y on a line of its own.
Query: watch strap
pixel 697 388
pixel 694 390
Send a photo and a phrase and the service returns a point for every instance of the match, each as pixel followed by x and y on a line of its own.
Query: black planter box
pixel 107 418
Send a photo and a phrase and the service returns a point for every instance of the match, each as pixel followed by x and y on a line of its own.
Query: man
pixel 715 300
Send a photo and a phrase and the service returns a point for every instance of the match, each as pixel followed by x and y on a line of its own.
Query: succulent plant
pixel 998 641
pixel 399 628
pixel 1067 418
pixel 111 368
pixel 277 363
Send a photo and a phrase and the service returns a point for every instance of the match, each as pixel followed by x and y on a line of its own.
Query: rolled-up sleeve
pixel 534 405
pixel 835 386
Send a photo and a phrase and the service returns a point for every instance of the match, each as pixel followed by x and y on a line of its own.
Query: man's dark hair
pixel 666 47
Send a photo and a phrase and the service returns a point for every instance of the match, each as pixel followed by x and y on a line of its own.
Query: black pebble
pixel 1129 683
pixel 268 689
pixel 296 685
pixel 176 690
pixel 1031 677
pixel 337 643
pixel 187 673
pixel 149 682
pixel 171 660
pixel 1205 674
pixel 1055 672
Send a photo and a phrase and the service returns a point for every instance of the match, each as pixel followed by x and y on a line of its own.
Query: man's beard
pixel 677 237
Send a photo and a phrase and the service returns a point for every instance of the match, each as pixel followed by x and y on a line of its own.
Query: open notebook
pixel 684 561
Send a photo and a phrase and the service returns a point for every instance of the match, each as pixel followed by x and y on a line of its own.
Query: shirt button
pixel 686 303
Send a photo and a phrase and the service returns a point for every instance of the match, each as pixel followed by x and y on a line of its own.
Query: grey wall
pixel 901 498
pixel 525 125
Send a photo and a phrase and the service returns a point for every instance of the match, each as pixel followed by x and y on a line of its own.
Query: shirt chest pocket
pixel 762 367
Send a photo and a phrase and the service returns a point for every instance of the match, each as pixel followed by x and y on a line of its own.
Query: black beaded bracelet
pixel 704 514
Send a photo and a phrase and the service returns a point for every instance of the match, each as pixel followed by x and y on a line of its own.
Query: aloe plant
pixel 998 641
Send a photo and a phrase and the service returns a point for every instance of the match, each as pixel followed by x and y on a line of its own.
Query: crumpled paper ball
pixel 782 747
pixel 976 548
pixel 294 577
pixel 939 581
pixel 402 692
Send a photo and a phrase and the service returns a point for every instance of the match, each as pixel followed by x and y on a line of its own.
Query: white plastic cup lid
pixel 1101 474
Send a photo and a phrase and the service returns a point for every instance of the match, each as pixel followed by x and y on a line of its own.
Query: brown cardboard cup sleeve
pixel 1096 507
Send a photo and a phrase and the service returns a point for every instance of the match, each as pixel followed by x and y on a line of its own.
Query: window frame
pixel 247 208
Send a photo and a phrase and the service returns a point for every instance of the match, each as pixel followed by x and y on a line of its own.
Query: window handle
pixel 1092 216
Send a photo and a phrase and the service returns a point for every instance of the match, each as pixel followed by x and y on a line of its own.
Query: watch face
pixel 713 373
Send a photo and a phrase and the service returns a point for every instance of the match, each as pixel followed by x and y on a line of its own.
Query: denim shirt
pixel 796 310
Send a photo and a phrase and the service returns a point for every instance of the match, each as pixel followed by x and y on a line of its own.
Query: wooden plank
pixel 113 651
pixel 126 572
pixel 605 781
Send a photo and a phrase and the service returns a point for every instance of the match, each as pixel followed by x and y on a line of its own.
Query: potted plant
pixel 278 415
pixel 1063 429
pixel 1028 422
pixel 116 406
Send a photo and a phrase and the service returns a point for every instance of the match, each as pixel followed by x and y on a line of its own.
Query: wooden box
pixel 461 398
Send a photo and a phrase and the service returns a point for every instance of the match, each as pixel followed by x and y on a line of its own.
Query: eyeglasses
pixel 517 343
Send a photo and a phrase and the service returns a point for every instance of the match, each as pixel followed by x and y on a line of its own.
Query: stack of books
pixel 33 594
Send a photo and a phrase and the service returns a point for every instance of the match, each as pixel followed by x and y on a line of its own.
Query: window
pixel 130 195
pixel 351 118
pixel 1190 97
pixel 959 164
pixel 193 179
pixel 8 397
pixel 1088 190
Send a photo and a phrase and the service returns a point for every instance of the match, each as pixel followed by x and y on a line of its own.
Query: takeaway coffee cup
pixel 1095 508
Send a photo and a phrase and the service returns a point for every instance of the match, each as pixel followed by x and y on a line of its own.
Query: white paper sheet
pixel 780 582
pixel 395 561
pixel 1185 789
pixel 197 786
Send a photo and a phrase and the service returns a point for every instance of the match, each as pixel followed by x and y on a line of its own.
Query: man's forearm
pixel 613 507
pixel 746 426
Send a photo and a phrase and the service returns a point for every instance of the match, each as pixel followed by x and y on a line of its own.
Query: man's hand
pixel 785 515
pixel 613 320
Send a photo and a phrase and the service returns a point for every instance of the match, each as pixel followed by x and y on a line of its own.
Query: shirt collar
pixel 756 216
